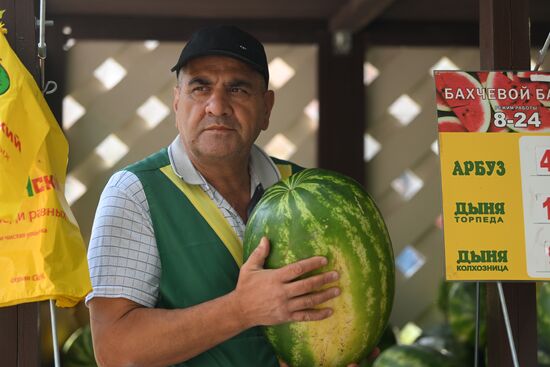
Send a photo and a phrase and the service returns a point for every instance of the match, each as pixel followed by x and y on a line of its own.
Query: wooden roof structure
pixel 361 23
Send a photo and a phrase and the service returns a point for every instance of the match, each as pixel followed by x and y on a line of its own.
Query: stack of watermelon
pixel 449 344
pixel 456 337
pixel 414 355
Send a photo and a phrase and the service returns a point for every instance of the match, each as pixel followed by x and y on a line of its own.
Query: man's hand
pixel 275 296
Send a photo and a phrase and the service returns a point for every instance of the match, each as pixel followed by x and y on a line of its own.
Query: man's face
pixel 221 105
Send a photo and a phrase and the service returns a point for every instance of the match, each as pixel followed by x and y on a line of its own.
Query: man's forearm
pixel 128 334
pixel 160 337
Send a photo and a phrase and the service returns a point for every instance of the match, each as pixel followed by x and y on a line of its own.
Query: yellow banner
pixel 42 254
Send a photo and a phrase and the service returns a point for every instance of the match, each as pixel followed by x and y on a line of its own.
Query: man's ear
pixel 176 99
pixel 269 101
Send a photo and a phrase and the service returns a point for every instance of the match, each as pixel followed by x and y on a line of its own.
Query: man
pixel 165 249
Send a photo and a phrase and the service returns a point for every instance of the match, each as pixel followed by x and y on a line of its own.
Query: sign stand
pixel 476 348
pixel 41 24
pixel 507 322
pixel 542 52
pixel 54 334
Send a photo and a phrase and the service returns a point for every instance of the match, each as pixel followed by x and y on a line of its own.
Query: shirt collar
pixel 262 169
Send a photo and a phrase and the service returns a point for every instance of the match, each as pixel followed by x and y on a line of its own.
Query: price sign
pixel 496 222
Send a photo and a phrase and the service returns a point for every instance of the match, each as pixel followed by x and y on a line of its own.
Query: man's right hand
pixel 275 296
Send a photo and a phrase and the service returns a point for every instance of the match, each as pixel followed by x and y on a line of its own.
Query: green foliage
pixel 413 356
pixel 78 350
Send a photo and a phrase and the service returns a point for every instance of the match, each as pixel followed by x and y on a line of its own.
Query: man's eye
pixel 200 89
pixel 237 90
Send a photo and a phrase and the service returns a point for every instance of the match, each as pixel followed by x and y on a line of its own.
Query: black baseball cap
pixel 225 40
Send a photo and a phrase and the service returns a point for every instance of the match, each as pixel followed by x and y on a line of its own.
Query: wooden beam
pixel 179 29
pixel 19 329
pixel 430 33
pixel 19 20
pixel 504 45
pixel 504 34
pixel 409 33
pixel 28 334
pixel 8 336
pixel 341 108
pixel 539 32
pixel 357 14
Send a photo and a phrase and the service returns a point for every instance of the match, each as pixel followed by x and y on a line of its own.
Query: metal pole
pixel 42 43
pixel 542 53
pixel 476 348
pixel 54 335
pixel 42 60
pixel 507 322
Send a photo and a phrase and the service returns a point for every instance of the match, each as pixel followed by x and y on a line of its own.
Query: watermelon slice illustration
pixel 474 113
pixel 524 78
pixel 510 107
pixel 450 124
pixel 482 77
pixel 441 104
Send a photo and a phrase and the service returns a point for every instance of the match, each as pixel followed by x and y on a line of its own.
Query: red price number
pixel 546 205
pixel 545 161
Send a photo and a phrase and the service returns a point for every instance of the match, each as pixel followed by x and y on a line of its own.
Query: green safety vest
pixel 200 256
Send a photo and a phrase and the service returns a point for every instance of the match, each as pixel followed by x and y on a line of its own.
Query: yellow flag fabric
pixel 42 254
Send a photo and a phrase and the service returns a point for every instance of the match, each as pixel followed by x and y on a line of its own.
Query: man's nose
pixel 219 103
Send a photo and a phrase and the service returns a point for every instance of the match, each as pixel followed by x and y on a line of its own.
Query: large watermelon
pixel 387 340
pixel 412 356
pixel 318 212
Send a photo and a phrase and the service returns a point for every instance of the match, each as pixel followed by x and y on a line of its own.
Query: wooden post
pixel 504 45
pixel 341 104
pixel 19 329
